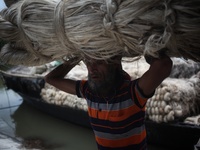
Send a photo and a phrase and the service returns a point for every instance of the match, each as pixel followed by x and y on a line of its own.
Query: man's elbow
pixel 47 79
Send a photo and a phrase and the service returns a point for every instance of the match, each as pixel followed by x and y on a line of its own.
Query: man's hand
pixel 149 59
pixel 72 60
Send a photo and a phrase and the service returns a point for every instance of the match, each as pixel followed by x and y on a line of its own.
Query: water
pixel 21 122
pixel 31 123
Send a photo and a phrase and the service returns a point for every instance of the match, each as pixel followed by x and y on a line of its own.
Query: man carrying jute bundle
pixel 116 104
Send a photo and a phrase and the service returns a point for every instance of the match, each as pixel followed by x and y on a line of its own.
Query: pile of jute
pixel 40 31
pixel 175 99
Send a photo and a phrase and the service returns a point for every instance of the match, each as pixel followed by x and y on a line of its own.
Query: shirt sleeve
pixel 138 96
pixel 139 90
pixel 78 91
pixel 80 85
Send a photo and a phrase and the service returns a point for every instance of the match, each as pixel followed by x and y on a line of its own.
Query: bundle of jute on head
pixel 8 3
pixel 39 31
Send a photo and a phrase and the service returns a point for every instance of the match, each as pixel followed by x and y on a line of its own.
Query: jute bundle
pixel 39 31
pixel 194 120
pixel 181 68
pixel 184 69
pixel 175 99
pixel 52 95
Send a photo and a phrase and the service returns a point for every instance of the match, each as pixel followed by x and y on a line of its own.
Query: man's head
pixel 103 74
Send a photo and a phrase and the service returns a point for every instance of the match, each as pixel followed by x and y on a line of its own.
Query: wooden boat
pixel 175 135
pixel 29 89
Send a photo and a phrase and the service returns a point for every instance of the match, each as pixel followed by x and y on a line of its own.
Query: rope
pixel 50 30
pixel 24 38
pixel 60 27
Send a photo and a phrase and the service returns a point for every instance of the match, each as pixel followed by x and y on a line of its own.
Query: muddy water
pixel 25 125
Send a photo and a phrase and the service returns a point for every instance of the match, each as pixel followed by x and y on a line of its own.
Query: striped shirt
pixel 118 124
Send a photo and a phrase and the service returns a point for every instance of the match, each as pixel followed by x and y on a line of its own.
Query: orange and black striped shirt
pixel 118 124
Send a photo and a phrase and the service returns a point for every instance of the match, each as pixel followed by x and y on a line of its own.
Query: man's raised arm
pixel 56 76
pixel 160 68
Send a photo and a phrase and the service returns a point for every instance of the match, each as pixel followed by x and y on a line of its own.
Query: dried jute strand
pixel 159 41
pixel 24 38
pixel 40 31
pixel 60 26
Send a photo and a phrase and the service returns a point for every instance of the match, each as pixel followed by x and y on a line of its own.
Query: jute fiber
pixel 39 31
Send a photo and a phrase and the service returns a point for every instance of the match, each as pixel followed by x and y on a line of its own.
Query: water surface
pixel 21 121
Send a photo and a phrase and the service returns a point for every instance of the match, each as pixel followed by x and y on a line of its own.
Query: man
pixel 116 105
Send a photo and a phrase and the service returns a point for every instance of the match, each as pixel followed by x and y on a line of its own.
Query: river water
pixel 23 124
pixel 23 127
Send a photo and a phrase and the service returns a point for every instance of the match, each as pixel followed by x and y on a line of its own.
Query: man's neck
pixel 107 91
pixel 111 88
